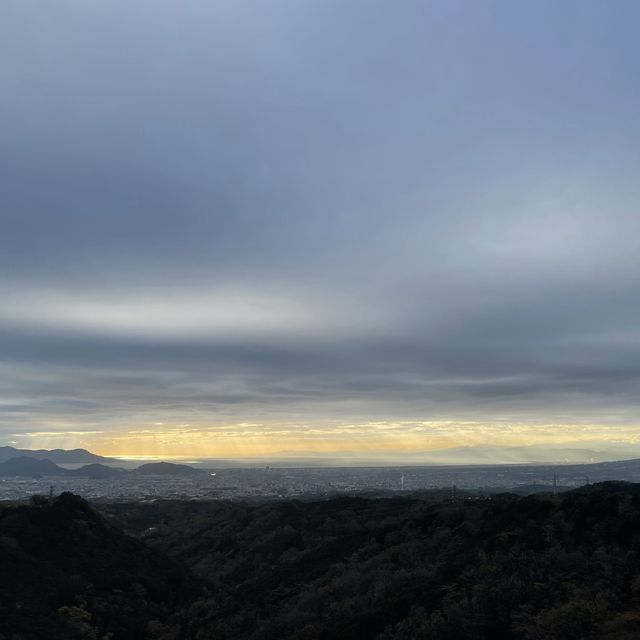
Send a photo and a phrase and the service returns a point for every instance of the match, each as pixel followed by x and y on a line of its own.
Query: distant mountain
pixel 30 467
pixel 464 455
pixel 167 469
pixel 529 454
pixel 59 456
pixel 97 471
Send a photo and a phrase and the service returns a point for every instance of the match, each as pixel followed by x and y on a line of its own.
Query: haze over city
pixel 333 230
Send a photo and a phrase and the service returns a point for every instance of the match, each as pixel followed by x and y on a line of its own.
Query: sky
pixel 319 227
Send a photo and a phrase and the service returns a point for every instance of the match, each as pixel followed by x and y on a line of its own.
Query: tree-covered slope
pixel 536 568
pixel 65 573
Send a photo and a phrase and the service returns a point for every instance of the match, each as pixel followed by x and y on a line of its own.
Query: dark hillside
pixel 535 568
pixel 65 573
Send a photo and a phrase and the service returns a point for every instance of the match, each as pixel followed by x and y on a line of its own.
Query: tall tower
pixel 402 482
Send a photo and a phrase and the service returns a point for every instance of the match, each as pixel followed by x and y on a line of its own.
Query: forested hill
pixel 66 574
pixel 538 568
pixel 535 568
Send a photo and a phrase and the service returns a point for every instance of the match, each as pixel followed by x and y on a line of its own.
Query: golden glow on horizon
pixel 255 440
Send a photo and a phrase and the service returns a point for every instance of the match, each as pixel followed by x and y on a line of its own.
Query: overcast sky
pixel 236 227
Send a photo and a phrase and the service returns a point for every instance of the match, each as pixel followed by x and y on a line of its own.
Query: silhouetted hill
pixel 167 469
pixel 59 456
pixel 31 467
pixel 98 471
pixel 66 574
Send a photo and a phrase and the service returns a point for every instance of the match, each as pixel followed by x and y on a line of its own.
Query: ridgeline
pixel 541 567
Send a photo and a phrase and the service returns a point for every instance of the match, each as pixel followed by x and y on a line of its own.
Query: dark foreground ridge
pixel 537 568
pixel 65 574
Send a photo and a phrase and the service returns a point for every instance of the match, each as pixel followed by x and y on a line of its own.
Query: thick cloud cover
pixel 316 214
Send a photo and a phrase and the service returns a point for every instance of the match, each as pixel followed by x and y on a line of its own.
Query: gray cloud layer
pixel 318 210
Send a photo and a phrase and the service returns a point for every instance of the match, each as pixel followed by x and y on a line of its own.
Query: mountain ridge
pixel 59 456
pixel 33 467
